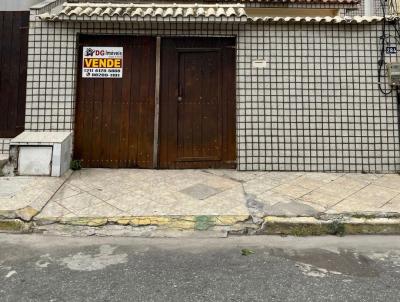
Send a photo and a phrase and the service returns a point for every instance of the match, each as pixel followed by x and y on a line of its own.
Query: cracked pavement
pixel 102 192
pixel 200 198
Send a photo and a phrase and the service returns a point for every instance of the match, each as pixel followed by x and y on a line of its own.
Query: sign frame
pixel 102 62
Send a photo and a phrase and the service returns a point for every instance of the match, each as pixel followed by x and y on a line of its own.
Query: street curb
pixel 205 225
pixel 175 222
pixel 17 226
pixel 310 226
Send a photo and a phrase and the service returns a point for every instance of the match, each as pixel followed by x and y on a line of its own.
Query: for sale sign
pixel 102 62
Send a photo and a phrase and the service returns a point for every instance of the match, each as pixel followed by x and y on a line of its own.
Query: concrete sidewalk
pixel 24 197
pixel 216 202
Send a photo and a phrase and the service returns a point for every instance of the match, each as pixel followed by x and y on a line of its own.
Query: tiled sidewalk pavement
pixel 24 196
pixel 110 193
pixel 125 193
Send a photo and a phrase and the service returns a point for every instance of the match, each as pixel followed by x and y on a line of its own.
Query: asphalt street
pixel 352 268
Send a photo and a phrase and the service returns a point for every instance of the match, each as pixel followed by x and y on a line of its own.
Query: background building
pixel 17 5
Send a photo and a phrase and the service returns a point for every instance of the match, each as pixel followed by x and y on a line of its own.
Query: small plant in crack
pixel 337 228
pixel 76 164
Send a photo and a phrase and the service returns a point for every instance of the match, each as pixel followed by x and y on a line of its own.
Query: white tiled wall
pixel 316 106
pixel 359 9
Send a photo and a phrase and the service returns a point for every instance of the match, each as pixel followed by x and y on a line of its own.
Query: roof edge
pixel 152 12
pixel 243 19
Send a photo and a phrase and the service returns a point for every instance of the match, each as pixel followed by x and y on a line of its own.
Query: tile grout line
pixel 275 186
pixel 317 188
pixel 382 185
pixel 329 207
pixel 398 194
pixel 348 196
pixel 122 211
pixel 70 211
pixel 103 201
pixel 299 198
pixel 370 183
pixel 59 188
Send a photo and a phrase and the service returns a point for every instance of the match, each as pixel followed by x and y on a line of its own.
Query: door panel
pixel 197 103
pixel 114 124
pixel 199 123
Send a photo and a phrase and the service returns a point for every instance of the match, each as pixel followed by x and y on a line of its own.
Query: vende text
pixel 99 63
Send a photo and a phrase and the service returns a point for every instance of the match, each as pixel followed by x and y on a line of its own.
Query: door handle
pixel 180 99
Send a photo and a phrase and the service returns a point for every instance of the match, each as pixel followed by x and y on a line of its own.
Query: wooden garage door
pixel 115 117
pixel 197 103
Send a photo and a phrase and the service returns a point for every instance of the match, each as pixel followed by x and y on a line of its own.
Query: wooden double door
pixel 173 107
